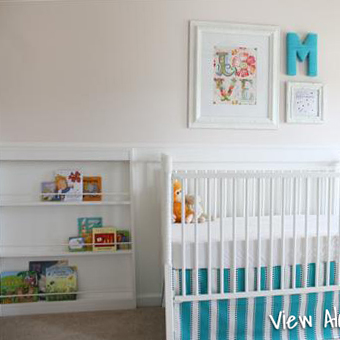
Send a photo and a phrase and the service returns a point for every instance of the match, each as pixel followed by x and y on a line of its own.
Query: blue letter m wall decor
pixel 309 48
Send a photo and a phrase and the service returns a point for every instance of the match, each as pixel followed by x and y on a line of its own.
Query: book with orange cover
pixel 91 187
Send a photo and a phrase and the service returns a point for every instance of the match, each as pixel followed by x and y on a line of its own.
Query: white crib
pixel 270 238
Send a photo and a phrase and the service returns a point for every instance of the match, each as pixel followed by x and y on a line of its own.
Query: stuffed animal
pixel 177 209
pixel 190 201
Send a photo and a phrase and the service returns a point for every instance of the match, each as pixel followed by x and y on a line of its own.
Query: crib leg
pixel 169 303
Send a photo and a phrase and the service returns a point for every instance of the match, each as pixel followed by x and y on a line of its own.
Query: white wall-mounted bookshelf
pixel 35 230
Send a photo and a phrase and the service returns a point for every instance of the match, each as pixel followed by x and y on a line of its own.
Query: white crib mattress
pixel 203 259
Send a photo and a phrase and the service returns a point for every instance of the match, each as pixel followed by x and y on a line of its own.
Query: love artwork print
pixel 235 73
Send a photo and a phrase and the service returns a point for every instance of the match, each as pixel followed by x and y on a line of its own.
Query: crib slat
pixel 222 196
pixel 234 237
pixel 271 205
pixel 196 239
pixel 306 233
pixel 299 196
pixel 317 233
pixel 209 237
pixel 254 197
pixel 215 197
pixel 183 238
pixel 294 230
pixel 259 234
pixel 329 212
pixel 246 221
pixel 283 235
pixel 205 181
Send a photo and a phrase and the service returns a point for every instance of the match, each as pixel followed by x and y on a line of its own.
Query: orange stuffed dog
pixel 177 209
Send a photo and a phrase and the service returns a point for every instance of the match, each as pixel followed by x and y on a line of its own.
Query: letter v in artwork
pixel 276 324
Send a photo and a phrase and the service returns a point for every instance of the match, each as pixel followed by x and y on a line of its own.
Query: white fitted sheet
pixel 203 259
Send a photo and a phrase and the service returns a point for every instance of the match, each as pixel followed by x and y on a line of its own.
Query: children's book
pixel 63 280
pixel 104 239
pixel 21 284
pixel 69 185
pixel 91 187
pixel 123 236
pixel 76 244
pixel 48 190
pixel 40 268
pixel 85 226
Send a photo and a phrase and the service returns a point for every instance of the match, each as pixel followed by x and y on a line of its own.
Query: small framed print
pixel 305 103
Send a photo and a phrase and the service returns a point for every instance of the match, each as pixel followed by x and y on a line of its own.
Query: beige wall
pixel 116 71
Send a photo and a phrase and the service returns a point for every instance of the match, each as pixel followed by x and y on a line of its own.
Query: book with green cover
pixel 123 236
pixel 85 226
pixel 21 283
pixel 61 281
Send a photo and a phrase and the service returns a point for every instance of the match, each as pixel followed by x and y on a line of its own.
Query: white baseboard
pixel 149 300
pixel 81 305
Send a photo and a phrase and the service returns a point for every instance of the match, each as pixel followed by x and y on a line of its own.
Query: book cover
pixel 62 281
pixel 48 189
pixel 104 239
pixel 40 268
pixel 123 236
pixel 85 226
pixel 93 186
pixel 76 244
pixel 19 283
pixel 69 185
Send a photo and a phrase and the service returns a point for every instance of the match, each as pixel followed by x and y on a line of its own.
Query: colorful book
pixel 19 283
pixel 123 236
pixel 61 281
pixel 48 190
pixel 40 268
pixel 104 239
pixel 85 226
pixel 76 244
pixel 91 187
pixel 69 185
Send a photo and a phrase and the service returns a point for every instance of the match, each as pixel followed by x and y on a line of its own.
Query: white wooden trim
pixel 132 225
pixel 117 302
pixel 62 152
pixel 149 300
pixel 261 156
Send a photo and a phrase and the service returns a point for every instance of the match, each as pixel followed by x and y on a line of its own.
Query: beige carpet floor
pixel 139 324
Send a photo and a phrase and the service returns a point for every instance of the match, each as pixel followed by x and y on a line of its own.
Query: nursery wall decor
pixel 301 50
pixel 233 80
pixel 305 103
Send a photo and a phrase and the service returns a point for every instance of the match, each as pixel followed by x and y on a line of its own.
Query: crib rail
pixel 241 196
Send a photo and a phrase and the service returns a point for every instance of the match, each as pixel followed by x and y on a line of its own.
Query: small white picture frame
pixel 305 103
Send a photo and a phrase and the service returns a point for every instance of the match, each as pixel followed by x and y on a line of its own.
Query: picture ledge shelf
pixel 61 203
pixel 21 229
pixel 67 254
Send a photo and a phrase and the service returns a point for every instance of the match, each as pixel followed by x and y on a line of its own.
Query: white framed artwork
pixel 305 103
pixel 233 76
